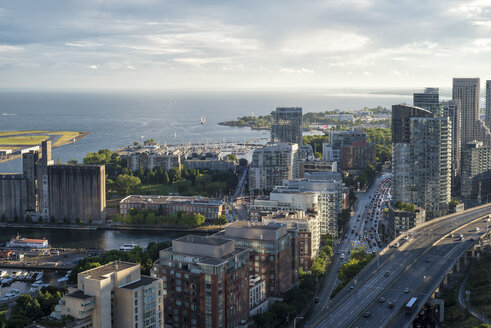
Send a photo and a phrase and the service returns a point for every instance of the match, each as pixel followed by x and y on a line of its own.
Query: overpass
pixel 414 269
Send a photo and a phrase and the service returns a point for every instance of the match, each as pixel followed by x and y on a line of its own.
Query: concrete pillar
pixel 444 281
pixel 441 307
pixel 457 265
pixel 466 260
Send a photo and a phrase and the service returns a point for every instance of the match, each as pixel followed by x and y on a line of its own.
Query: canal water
pixel 95 239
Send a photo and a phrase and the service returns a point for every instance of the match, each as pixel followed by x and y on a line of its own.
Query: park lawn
pixel 23 140
pixel 155 189
pixel 12 133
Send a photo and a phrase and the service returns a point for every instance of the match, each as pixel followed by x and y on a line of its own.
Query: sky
pixel 231 44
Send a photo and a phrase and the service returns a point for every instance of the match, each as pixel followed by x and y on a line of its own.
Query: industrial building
pixel 46 191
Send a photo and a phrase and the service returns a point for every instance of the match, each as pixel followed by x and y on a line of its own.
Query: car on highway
pixel 381 300
pixel 387 273
pixel 367 315
pixel 339 251
pixel 390 305
pixel 342 257
pixel 316 300
pixel 477 229
pixel 407 290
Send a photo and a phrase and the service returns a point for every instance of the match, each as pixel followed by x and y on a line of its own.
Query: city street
pixel 346 244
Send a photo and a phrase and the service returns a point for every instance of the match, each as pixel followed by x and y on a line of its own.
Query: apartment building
pixel 272 253
pixel 287 125
pixel 283 200
pixel 205 282
pixel 476 171
pixel 422 153
pixel 309 234
pixel 271 165
pixel 114 295
pixel 332 193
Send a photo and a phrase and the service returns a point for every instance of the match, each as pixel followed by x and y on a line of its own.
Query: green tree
pixel 232 157
pixel 318 266
pixel 72 161
pixel 125 184
pixel 165 179
pixel 221 220
pixel 182 186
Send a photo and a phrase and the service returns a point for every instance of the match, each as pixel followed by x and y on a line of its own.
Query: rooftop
pixel 156 199
pixel 79 294
pixel 211 241
pixel 101 272
pixel 144 281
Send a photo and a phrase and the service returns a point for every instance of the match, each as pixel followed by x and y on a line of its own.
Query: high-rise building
pixel 476 171
pixel 114 295
pixel 452 110
pixel 350 149
pixel 272 164
pixel 287 125
pixel 206 282
pixel 488 104
pixel 467 90
pixel 421 165
pixel 429 100
pixel 331 190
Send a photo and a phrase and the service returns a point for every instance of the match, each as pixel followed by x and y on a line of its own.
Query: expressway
pixel 414 269
pixel 357 222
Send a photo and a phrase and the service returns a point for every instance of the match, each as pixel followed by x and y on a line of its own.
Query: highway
pixel 357 222
pixel 419 264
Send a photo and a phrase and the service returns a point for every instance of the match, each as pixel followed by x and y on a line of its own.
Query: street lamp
pixel 295 321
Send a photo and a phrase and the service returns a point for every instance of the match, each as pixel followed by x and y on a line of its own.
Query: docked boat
pixel 38 275
pixel 7 280
pixel 20 242
pixel 127 247
pixel 64 278
pixel 3 273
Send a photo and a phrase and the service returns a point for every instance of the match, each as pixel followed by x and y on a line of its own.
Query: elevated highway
pixel 414 269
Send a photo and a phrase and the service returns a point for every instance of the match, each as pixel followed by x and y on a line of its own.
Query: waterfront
pixel 116 120
pixel 99 239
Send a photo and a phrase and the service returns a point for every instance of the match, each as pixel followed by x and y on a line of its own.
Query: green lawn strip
pixel 22 140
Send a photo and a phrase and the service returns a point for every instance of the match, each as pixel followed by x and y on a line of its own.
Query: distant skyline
pixel 189 45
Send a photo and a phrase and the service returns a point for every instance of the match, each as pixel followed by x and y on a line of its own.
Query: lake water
pixel 100 239
pixel 118 119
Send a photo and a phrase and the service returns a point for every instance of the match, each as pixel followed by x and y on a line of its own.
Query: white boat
pixel 64 278
pixel 203 120
pixel 127 247
pixel 7 280
pixel 3 273
pixel 12 293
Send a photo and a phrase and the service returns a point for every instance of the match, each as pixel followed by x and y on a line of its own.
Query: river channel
pixel 94 239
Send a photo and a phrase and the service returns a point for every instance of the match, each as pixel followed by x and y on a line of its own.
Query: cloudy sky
pixel 231 44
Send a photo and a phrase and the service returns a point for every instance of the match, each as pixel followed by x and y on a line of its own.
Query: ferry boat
pixel 127 247
pixel 19 242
